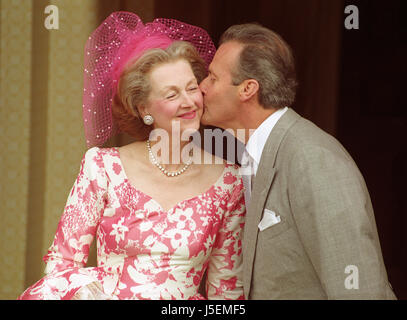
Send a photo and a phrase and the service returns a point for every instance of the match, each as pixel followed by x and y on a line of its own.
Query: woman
pixel 159 225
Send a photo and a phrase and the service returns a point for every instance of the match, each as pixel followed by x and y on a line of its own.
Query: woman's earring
pixel 148 120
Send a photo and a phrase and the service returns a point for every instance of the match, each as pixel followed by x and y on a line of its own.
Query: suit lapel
pixel 261 187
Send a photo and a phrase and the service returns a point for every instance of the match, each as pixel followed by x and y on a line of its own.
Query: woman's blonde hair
pixel 134 85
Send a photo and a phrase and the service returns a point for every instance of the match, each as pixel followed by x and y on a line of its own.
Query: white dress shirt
pixel 254 148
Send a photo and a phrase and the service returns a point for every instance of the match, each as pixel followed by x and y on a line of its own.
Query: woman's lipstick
pixel 189 115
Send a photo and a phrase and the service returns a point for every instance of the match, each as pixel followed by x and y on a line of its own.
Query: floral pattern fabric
pixel 143 251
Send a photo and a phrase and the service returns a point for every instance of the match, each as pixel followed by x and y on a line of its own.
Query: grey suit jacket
pixel 326 245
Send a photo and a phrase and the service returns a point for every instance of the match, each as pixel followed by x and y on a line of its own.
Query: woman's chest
pixel 137 224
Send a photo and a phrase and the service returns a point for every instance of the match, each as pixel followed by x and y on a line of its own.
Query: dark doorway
pixel 372 121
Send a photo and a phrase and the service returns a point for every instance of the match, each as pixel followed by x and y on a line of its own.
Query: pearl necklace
pixel 163 170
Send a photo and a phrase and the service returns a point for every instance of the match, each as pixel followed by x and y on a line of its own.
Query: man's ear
pixel 248 89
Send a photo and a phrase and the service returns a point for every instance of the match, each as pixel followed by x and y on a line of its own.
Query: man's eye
pixel 171 96
pixel 192 88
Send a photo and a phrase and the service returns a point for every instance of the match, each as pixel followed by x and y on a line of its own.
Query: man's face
pixel 220 95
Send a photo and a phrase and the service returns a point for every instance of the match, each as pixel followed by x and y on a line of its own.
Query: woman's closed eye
pixel 171 95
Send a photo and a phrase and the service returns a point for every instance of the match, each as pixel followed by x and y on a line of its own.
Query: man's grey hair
pixel 267 58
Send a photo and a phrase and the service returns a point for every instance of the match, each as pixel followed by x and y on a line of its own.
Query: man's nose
pixel 202 86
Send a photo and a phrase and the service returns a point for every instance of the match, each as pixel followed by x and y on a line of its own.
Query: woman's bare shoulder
pixel 207 158
pixel 132 149
pixel 211 166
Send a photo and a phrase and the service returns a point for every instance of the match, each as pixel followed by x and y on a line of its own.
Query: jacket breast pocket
pixel 274 230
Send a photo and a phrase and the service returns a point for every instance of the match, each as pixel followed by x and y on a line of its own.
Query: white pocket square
pixel 269 219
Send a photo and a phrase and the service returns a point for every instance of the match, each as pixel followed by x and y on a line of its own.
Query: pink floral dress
pixel 144 252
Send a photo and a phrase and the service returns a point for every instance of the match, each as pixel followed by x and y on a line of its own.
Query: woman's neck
pixel 171 153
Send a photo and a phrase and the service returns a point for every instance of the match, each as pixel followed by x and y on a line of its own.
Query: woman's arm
pixel 224 278
pixel 81 215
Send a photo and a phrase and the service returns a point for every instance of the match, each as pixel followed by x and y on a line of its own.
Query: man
pixel 310 230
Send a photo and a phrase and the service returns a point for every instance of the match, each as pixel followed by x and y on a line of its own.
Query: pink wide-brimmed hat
pixel 122 38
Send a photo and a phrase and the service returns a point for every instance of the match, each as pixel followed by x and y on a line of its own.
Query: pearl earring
pixel 148 120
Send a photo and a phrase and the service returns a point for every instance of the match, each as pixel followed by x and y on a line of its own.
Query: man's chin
pixel 204 121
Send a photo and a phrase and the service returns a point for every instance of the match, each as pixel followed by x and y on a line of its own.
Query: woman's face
pixel 175 100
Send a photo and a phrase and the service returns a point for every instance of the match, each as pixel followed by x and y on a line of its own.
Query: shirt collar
pixel 257 140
